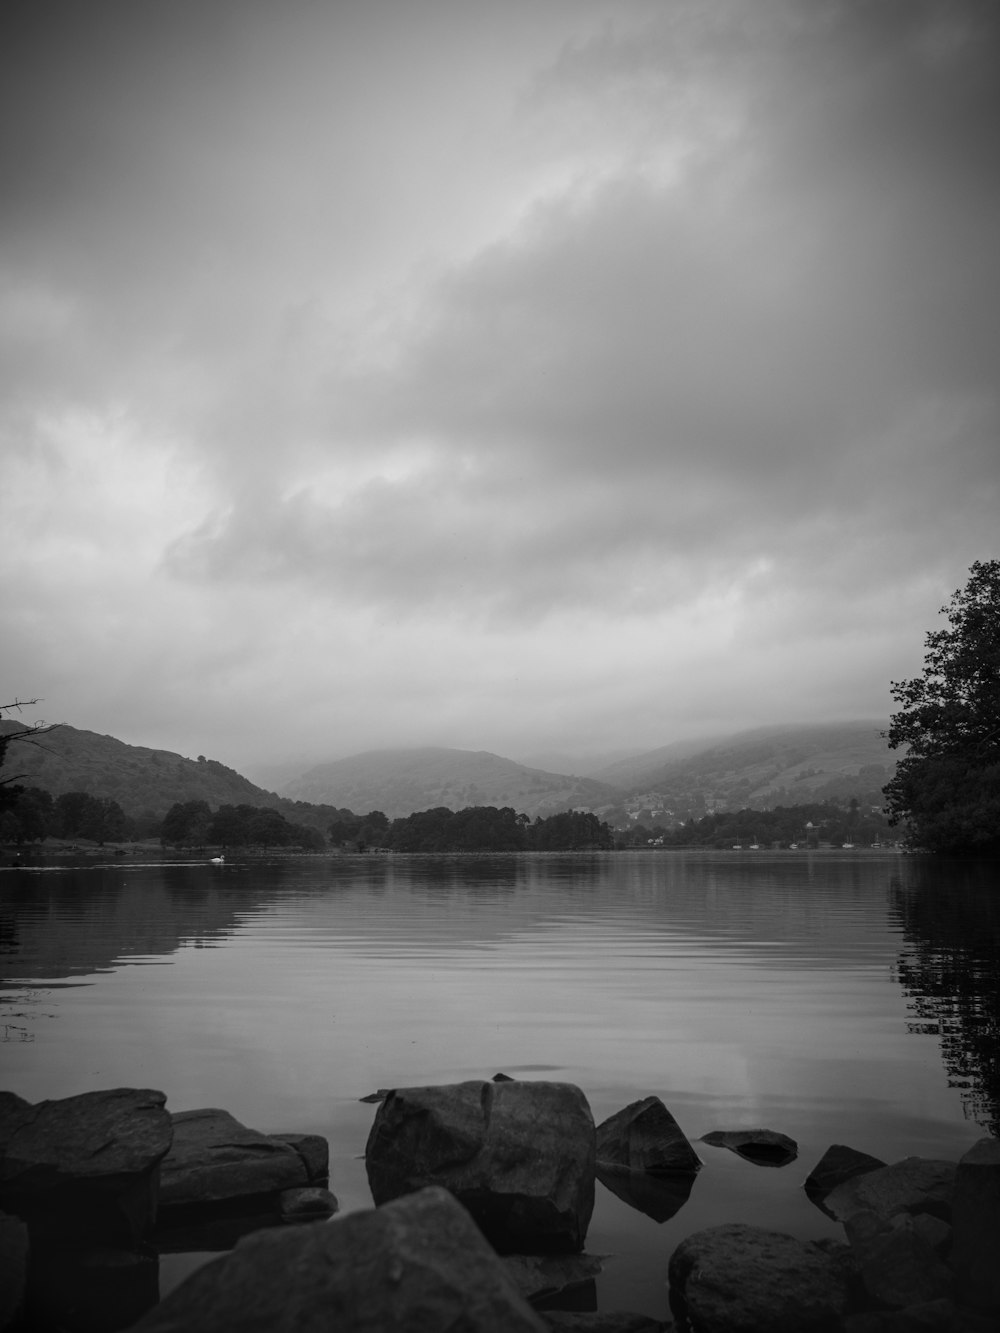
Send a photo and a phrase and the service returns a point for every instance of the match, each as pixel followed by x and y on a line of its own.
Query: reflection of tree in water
pixel 949 967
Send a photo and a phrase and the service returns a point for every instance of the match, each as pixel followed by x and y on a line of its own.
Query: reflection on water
pixel 950 969
pixel 813 994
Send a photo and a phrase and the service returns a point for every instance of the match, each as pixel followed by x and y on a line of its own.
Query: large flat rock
pixel 519 1155
pixel 417 1265
pixel 85 1166
pixel 214 1159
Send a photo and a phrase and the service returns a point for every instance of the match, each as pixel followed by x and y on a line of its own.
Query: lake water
pixel 839 997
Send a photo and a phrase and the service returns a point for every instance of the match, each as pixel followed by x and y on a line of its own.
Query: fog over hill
pixel 772 765
pixel 788 764
pixel 398 782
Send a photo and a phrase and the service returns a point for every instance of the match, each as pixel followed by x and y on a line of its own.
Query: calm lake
pixel 839 997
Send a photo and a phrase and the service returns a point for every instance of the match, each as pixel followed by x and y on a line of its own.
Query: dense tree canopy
pixel 947 785
pixel 477 828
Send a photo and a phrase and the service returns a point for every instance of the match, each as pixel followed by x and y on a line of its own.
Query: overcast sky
pixel 542 374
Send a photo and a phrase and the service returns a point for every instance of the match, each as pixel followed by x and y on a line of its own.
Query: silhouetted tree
pixel 947 785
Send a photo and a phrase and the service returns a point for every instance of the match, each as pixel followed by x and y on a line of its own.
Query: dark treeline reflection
pixel 949 967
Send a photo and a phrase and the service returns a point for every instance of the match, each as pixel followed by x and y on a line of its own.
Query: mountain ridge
pixel 400 781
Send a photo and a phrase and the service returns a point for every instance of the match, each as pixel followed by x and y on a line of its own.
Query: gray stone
pixel 743 1279
pixel 838 1164
pixel 644 1136
pixel 538 1276
pixel 898 1267
pixel 87 1165
pixel 518 1155
pixel 763 1147
pixel 914 1185
pixel 975 1255
pixel 215 1159
pixel 417 1265
pixel 314 1151
pixel 14 1112
pixel 13 1270
pixel 307 1204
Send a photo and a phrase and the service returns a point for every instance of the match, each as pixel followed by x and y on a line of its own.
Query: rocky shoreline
pixel 483 1194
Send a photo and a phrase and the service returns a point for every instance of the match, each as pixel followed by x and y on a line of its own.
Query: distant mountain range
pixel 398 782
pixel 772 765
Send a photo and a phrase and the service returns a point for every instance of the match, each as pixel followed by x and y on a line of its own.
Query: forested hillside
pixel 145 783
pixel 399 782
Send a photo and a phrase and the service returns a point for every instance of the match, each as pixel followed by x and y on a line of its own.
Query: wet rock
pixel 314 1151
pixel 659 1197
pixel 416 1265
pixel 518 1155
pixel 540 1276
pixel 763 1147
pixel 14 1112
pixel 13 1270
pixel 87 1165
pixel 838 1164
pixel 975 1254
pixel 214 1158
pixel 897 1264
pixel 743 1279
pixel 644 1136
pixel 306 1204
pixel 914 1185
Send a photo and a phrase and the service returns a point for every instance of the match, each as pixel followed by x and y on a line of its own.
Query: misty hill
pixel 633 771
pixel 399 782
pixel 769 765
pixel 139 779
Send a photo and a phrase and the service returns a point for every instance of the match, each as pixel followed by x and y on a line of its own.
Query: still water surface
pixel 836 997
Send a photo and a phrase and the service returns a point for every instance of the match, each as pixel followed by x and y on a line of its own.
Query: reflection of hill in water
pixel 950 969
pixel 67 924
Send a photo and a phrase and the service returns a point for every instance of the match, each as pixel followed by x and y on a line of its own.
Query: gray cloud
pixel 647 325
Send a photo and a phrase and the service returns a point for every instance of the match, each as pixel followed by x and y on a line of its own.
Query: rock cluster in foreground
pixel 483 1193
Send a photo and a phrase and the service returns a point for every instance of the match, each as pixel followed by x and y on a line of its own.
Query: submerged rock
pixel 518 1155
pixel 644 1136
pixel 743 1279
pixel 763 1147
pixel 659 1197
pixel 85 1168
pixel 215 1159
pixel 417 1265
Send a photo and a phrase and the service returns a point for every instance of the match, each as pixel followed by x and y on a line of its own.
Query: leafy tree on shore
pixel 947 785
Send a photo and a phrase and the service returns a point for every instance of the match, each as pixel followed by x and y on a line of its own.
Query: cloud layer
pixel 485 376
